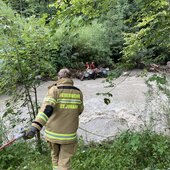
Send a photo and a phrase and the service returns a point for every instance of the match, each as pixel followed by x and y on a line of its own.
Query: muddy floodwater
pixel 128 108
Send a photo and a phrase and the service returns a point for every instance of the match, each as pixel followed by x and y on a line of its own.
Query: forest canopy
pixel 66 33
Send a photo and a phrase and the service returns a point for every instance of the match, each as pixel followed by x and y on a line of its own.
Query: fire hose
pixel 17 137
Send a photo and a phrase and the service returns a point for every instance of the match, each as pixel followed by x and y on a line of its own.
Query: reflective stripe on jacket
pixel 67 103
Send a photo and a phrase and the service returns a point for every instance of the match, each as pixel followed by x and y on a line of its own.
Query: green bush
pixel 93 44
pixel 129 151
pixel 24 156
pixel 73 45
pixel 147 42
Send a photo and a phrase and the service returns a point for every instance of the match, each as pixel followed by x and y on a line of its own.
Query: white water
pixel 127 109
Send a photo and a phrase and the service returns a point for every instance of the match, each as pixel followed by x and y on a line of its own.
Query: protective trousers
pixel 61 155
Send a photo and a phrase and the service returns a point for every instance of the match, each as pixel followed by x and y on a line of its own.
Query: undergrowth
pixel 129 151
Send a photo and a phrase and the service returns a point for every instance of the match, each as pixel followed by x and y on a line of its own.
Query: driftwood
pixel 159 68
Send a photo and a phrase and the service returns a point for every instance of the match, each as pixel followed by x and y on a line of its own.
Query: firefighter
pixel 59 114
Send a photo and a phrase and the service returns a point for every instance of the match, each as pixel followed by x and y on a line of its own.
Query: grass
pixel 129 151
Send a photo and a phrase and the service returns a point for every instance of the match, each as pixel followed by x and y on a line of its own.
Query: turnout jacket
pixel 66 102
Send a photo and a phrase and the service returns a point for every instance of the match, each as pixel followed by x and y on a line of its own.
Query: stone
pixel 168 64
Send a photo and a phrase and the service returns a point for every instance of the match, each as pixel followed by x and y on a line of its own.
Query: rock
pixel 168 64
pixel 125 73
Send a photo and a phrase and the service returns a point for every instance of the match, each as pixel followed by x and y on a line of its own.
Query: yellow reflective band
pixel 68 106
pixel 58 136
pixel 50 99
pixel 55 167
pixel 69 95
pixel 74 101
pixel 43 116
pixel 62 134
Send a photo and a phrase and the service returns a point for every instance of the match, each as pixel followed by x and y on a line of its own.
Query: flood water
pixel 128 108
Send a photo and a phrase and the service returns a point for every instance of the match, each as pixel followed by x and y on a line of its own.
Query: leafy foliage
pixel 40 37
pixel 80 44
pixel 24 49
pixel 128 151
pixel 25 57
pixel 162 82
pixel 148 40
pixel 28 8
pixel 114 25
pixel 92 42
pixel 95 30
pixel 86 8
pixel 20 6
pixel 21 155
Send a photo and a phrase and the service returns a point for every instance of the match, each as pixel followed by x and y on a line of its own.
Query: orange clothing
pixel 87 66
pixel 92 66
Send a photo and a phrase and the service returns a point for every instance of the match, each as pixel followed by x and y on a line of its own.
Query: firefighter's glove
pixel 30 132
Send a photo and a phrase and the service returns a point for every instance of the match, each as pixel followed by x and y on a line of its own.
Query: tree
pixel 149 39
pixel 87 9
pixel 28 8
pixel 115 27
pixel 19 5
pixel 25 56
